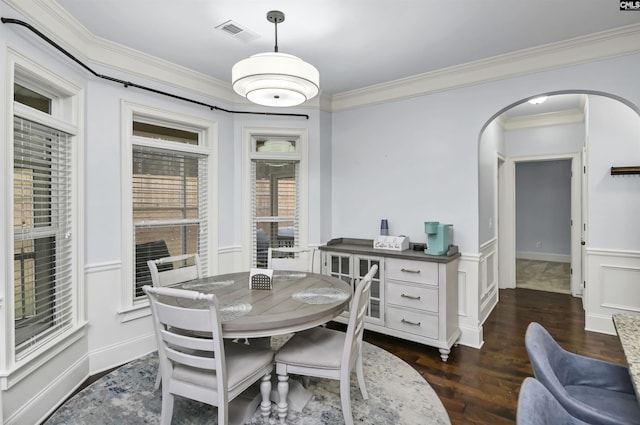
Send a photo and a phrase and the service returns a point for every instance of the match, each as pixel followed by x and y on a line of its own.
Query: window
pixel 42 246
pixel 168 192
pixel 44 171
pixel 277 193
pixel 169 207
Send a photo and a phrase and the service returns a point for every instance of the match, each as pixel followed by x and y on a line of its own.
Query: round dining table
pixel 297 301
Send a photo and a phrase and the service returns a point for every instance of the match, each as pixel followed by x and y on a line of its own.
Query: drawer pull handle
pixel 409 270
pixel 411 297
pixel 408 322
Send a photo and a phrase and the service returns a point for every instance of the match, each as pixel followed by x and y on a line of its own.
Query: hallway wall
pixel 543 210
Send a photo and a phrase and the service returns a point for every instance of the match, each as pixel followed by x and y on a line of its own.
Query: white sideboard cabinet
pixel 414 296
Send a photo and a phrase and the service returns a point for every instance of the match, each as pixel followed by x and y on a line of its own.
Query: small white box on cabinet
pixel 392 243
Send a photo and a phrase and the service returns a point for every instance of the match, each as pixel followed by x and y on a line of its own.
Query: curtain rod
pixel 138 86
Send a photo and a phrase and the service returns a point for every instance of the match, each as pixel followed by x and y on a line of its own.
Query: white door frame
pixel 507 219
pixel 506 224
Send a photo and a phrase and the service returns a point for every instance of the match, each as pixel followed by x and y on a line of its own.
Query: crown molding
pixel 617 42
pixel 63 28
pixel 123 58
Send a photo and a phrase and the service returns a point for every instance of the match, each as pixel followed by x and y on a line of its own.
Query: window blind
pixel 42 213
pixel 274 207
pixel 169 190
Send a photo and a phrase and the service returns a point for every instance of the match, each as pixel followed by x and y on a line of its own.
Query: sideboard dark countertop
pixel 365 246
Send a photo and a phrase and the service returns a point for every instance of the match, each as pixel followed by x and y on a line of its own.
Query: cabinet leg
pixel 444 353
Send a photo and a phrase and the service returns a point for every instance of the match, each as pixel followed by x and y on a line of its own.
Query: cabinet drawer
pixel 423 324
pixel 411 271
pixel 421 297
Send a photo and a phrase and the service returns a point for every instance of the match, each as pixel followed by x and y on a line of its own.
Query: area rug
pixel 126 396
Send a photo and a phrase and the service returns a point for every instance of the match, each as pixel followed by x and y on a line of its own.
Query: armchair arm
pixel 581 370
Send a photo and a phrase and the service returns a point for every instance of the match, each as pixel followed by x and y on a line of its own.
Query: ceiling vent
pixel 237 31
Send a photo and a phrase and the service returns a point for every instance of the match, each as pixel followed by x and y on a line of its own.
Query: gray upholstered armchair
pixel 537 406
pixel 591 390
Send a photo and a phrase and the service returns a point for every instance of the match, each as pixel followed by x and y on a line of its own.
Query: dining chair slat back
pixel 183 268
pixel 328 353
pixel 195 362
pixel 170 270
pixel 291 258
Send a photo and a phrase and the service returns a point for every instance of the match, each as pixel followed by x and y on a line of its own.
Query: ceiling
pixel 354 44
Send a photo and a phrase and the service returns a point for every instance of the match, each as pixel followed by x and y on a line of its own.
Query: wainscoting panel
pixel 468 301
pixel 620 287
pixel 113 341
pixel 488 279
pixel 613 286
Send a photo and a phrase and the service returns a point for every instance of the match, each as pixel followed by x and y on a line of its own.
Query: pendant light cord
pixel 275 48
pixel 138 86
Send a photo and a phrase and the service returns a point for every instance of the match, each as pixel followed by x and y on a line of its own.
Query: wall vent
pixel 237 31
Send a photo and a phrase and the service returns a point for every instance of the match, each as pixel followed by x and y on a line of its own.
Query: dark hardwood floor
pixel 479 387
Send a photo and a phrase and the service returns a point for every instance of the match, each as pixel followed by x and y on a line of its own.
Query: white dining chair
pixel 291 258
pixel 170 270
pixel 327 353
pixel 198 364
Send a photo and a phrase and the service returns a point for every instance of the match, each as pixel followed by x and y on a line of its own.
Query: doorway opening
pixel 543 225
pixel 542 145
pixel 544 213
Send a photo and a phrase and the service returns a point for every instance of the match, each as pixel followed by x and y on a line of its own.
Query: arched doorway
pixel 498 159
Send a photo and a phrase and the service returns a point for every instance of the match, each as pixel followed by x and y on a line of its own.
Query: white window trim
pixel 130 309
pixel 301 135
pixel 67 116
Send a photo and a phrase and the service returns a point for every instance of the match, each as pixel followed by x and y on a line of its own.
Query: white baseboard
pixel 543 256
pixel 123 352
pixel 599 323
pixel 31 411
pixel 471 337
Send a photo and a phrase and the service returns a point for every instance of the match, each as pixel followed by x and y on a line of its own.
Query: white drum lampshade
pixel 275 79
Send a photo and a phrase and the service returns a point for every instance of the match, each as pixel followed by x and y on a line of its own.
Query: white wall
pixel 103 198
pixel 614 202
pixel 548 140
pixel 543 210
pixel 405 162
pixel 416 159
pixel 491 144
pixel 325 179
pixel 613 228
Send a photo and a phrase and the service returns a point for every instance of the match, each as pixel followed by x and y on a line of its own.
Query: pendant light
pixel 273 78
